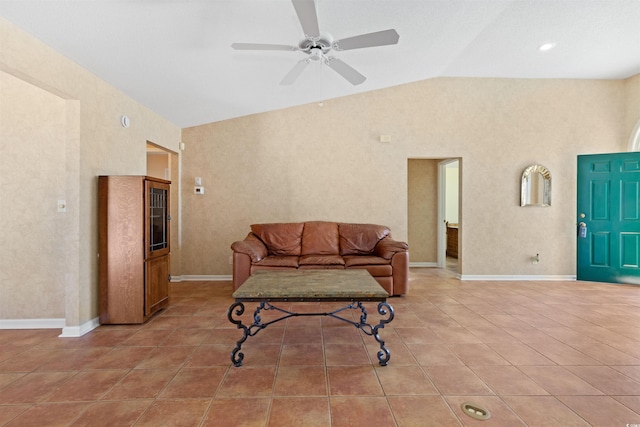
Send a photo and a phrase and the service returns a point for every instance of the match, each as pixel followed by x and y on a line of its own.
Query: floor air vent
pixel 476 411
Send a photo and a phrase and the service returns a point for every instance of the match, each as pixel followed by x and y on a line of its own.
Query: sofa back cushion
pixel 281 239
pixel 320 238
pixel 360 239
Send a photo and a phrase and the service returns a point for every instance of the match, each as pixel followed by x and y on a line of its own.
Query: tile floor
pixel 532 353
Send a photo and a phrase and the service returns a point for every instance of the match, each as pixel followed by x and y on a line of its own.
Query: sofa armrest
pixel 400 265
pixel 241 269
pixel 387 248
pixel 251 246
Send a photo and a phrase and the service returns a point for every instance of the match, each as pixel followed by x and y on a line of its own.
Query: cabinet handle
pixel 169 278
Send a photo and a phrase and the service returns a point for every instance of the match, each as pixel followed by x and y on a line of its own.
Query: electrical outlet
pixel 231 259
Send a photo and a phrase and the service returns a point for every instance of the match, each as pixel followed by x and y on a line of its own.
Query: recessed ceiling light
pixel 547 46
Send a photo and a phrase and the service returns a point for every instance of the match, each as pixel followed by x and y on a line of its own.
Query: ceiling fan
pixel 317 46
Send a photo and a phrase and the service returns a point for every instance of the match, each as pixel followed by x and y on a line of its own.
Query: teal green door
pixel 608 232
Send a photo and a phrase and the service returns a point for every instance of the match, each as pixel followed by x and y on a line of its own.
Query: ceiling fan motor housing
pixel 321 43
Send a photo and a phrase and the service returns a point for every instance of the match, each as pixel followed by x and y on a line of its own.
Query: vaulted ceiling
pixel 175 57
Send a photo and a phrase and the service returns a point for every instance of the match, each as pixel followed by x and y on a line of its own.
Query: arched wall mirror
pixel 536 186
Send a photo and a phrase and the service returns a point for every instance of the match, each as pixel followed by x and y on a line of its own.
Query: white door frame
pixel 634 139
pixel 442 229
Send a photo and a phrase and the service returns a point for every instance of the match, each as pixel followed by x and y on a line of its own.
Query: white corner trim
pixel 516 277
pixel 202 278
pixel 78 331
pixel 634 138
pixel 31 323
pixel 423 264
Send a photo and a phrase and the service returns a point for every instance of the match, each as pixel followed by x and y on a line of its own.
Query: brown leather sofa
pixel 323 245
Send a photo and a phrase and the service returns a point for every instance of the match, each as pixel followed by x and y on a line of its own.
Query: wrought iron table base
pixel 237 309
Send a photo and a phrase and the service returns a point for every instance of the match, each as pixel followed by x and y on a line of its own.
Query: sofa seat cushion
pixel 375 270
pixel 281 239
pixel 278 261
pixel 360 239
pixel 320 238
pixel 351 261
pixel 321 260
pixel 321 267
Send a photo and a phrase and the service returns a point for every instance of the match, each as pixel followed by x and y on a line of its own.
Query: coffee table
pixel 351 286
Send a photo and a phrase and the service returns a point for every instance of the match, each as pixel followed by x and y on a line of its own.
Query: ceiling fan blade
pixel 379 38
pixel 306 11
pixel 262 46
pixel 295 72
pixel 346 71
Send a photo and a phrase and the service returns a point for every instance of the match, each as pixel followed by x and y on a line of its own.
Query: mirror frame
pixel 526 180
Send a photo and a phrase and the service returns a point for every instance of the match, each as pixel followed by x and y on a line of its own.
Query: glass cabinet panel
pixel 157 201
pixel 157 214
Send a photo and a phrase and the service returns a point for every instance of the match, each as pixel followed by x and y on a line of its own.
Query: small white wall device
pixel 198 189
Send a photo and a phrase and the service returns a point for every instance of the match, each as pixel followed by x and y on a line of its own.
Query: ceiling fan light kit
pixel 546 47
pixel 317 46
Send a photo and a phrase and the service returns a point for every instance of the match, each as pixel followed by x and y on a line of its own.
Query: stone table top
pixel 311 285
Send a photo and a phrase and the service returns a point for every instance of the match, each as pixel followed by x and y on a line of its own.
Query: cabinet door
pixel 156 284
pixel 157 241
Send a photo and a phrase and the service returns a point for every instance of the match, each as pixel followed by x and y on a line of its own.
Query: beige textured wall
pixel 32 179
pixel 422 210
pixel 313 162
pixel 96 144
pixel 317 163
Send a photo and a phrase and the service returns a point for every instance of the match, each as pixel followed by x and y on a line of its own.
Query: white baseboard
pixel 78 331
pixel 517 277
pixel 202 278
pixel 423 264
pixel 67 331
pixel 32 323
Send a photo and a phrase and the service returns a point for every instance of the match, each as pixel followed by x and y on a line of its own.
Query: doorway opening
pixel 433 201
pixel 158 162
pixel 164 164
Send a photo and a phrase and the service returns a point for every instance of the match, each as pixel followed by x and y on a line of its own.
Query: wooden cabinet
pixel 452 240
pixel 134 247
